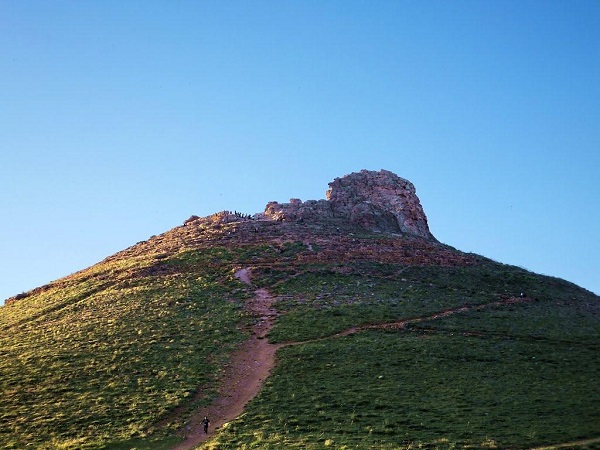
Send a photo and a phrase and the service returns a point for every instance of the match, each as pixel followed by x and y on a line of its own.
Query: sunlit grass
pixel 106 364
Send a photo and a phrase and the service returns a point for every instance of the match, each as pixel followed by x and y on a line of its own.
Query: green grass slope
pixel 516 375
pixel 104 356
pixel 115 355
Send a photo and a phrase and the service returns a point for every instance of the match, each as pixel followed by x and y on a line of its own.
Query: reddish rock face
pixel 378 201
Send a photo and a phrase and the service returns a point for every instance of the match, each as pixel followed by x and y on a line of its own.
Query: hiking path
pixel 249 367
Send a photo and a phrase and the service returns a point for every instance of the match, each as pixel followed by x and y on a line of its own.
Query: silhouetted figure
pixel 205 423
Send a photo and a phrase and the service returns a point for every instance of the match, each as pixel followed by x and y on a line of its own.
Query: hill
pixel 385 338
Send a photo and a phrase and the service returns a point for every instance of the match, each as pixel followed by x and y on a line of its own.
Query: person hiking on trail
pixel 205 423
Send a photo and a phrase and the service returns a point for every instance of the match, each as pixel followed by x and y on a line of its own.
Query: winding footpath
pixel 253 361
pixel 244 376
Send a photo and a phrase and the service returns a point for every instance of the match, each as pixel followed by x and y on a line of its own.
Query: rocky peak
pixel 378 201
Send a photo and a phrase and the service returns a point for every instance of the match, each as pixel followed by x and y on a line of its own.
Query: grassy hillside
pixel 509 376
pixel 103 358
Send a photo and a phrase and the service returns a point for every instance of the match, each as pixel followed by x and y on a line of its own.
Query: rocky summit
pixel 375 201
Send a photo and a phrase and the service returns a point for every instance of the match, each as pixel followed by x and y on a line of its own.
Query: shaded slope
pixel 483 371
pixel 390 390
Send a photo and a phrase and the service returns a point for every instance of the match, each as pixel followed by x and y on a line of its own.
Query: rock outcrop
pixel 376 201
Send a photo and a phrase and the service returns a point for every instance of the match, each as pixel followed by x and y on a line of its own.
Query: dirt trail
pixel 252 363
pixel 244 376
pixel 403 323
pixel 567 445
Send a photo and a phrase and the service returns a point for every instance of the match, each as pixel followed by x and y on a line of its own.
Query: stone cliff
pixel 376 201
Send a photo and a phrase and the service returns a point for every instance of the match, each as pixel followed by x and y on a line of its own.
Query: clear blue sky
pixel 120 119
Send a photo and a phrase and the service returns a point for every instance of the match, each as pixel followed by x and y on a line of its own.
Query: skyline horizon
pixel 258 213
pixel 119 120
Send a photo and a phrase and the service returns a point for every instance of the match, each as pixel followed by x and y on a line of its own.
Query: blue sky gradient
pixel 119 120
